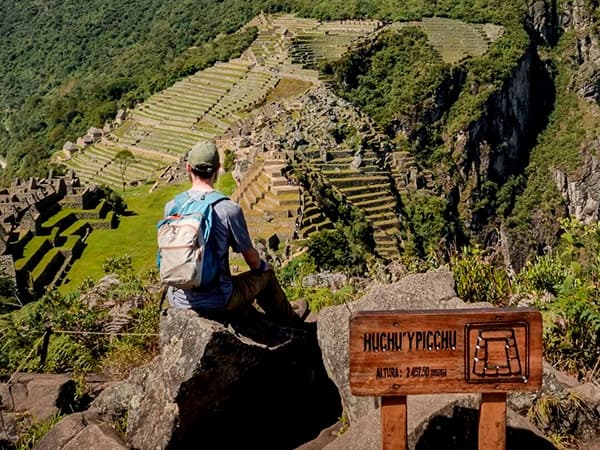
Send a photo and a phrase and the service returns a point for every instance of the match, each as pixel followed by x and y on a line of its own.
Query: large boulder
pixel 33 398
pixel 41 396
pixel 81 431
pixel 432 290
pixel 241 383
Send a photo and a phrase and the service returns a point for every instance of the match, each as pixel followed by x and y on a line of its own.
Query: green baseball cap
pixel 204 156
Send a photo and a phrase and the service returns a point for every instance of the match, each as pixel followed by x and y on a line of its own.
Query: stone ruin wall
pixel 24 206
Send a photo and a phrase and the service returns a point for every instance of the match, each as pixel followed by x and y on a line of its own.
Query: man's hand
pixel 253 260
pixel 263 267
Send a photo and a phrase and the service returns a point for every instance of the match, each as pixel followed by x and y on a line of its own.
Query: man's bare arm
pixel 253 260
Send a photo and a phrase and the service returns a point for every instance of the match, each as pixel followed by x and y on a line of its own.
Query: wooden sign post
pixel 490 351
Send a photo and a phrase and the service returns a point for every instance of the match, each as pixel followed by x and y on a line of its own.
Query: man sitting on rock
pixel 229 229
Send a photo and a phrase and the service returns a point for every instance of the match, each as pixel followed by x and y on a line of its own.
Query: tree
pixel 123 159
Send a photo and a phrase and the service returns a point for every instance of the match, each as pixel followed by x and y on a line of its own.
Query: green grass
pixel 32 247
pixel 43 264
pixel 52 221
pixel 135 235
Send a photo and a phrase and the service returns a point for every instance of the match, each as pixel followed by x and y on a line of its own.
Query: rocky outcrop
pixel 497 144
pixel 81 431
pixel 240 383
pixel 543 21
pixel 37 397
pixel 579 16
pixel 581 189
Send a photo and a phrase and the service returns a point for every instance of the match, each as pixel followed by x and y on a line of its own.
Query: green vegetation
pixel 36 431
pixel 78 341
pixel 564 284
pixel 292 275
pixel 391 77
pixel 478 279
pixel 431 226
pixel 333 250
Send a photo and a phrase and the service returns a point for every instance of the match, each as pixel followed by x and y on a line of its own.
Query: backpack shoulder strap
pixel 179 203
pixel 203 202
pixel 214 197
pixel 184 203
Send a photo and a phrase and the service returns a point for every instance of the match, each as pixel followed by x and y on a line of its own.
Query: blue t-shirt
pixel 229 229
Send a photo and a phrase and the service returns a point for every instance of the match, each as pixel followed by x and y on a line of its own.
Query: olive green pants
pixel 264 287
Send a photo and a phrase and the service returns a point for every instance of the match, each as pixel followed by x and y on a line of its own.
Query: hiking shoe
pixel 301 308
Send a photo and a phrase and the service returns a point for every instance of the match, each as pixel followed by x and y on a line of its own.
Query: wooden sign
pixel 465 350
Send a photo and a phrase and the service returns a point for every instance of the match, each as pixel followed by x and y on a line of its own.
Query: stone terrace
pixel 328 41
pixel 270 202
pixel 96 164
pixel 454 39
pixel 43 224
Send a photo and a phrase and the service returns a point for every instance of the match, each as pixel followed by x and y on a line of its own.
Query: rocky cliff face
pixel 497 145
pixel 578 16
pixel 581 189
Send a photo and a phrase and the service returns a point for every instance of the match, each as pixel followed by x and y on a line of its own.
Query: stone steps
pixel 315 227
pixel 358 181
pixel 354 192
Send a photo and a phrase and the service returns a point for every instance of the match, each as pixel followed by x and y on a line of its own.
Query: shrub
pixel 118 265
pixel 477 280
pixel 295 270
pixel 572 318
pixel 430 225
pixel 332 250
pixel 37 430
pixel 546 273
pixel 572 332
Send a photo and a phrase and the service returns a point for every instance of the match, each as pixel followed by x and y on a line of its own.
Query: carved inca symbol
pixel 493 353
pixel 496 353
